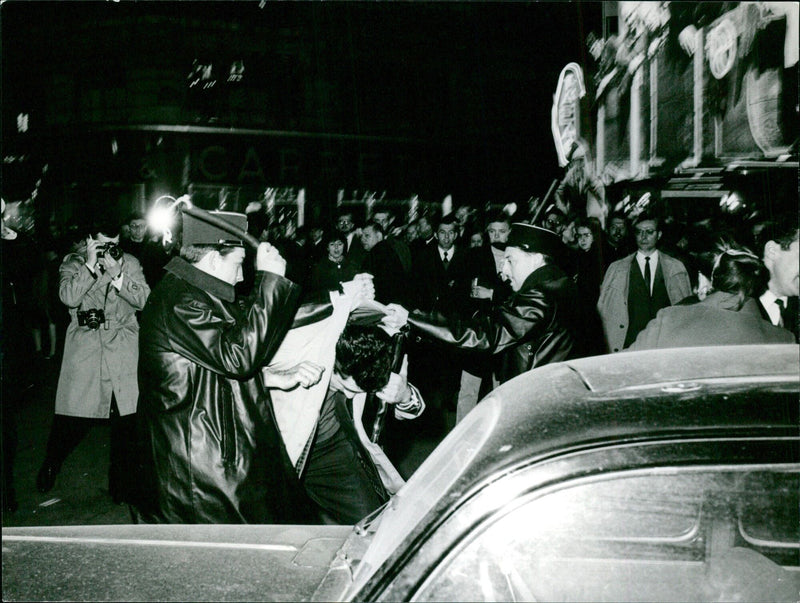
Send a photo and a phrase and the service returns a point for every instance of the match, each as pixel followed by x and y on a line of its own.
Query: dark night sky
pixel 476 75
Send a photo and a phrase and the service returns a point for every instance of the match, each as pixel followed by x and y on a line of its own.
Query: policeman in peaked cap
pixel 211 452
pixel 531 248
pixel 537 325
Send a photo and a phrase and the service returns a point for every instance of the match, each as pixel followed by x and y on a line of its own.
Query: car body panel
pixel 168 562
pixel 567 422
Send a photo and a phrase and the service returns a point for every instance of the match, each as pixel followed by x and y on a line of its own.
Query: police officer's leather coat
pixel 535 326
pixel 212 450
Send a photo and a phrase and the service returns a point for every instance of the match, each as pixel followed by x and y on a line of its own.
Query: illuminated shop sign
pixel 565 115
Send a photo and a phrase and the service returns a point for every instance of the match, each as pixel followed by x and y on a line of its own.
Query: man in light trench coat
pixel 102 290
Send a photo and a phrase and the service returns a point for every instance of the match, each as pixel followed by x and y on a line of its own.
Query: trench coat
pixel 211 449
pixel 613 301
pixel 97 362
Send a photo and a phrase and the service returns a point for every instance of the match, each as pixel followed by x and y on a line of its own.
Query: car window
pixel 677 535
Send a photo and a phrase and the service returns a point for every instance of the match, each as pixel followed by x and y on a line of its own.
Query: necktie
pixel 647 272
pixel 445 259
pixel 781 318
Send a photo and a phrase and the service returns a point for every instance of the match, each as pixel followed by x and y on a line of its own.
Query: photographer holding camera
pixel 103 288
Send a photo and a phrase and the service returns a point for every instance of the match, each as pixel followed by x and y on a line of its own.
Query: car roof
pixel 649 367
pixel 642 395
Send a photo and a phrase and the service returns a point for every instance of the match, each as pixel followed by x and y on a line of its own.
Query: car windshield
pixel 403 512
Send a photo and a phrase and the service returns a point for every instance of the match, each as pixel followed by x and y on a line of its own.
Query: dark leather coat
pixel 213 453
pixel 534 327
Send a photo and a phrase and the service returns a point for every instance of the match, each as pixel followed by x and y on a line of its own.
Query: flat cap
pixel 534 239
pixel 198 232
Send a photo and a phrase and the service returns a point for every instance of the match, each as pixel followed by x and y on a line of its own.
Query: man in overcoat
pixel 636 287
pixel 102 288
pixel 213 453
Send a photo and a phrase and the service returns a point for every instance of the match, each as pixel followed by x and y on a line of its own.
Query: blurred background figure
pixel 617 243
pixel 18 253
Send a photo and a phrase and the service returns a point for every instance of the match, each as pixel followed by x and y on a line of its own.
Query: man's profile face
pixel 647 235
pixel 498 232
pixel 518 266
pixel 228 267
pixel 446 235
pixel 784 268
pixel 370 237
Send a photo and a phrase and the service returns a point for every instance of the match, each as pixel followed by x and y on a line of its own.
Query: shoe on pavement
pixel 46 478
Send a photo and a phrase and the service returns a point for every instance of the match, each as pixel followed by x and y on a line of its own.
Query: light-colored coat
pixel 713 321
pixel 99 362
pixel 612 304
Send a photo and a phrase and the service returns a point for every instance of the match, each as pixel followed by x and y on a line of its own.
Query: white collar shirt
pixel 640 259
pixel 768 299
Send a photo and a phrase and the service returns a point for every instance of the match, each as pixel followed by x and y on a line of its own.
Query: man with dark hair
pixel 616 243
pixel 392 274
pixel 440 271
pixel 384 216
pixel 488 288
pixel 425 236
pixel 345 474
pixel 354 250
pixel 636 287
pixel 778 244
pixel 486 262
pixel 329 429
pixel 440 283
pixel 213 453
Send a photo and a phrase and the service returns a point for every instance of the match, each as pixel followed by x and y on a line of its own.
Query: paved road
pixel 80 496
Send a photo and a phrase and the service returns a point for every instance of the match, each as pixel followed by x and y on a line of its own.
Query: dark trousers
pixel 67 432
pixel 9 407
pixel 337 480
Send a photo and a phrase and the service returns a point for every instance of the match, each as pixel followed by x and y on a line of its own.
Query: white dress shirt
pixel 640 259
pixel 768 301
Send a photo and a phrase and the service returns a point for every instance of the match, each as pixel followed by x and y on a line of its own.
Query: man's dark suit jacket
pixel 356 253
pixel 392 281
pixel 438 289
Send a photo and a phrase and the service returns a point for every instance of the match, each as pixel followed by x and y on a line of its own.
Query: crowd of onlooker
pixel 634 282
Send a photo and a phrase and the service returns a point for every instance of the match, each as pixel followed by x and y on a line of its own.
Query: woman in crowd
pixel 333 269
pixel 729 315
